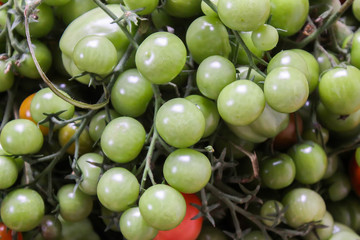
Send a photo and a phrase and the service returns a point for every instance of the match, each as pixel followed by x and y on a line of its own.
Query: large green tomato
pixel 183 8
pixel 207 36
pixel 209 110
pixel 187 170
pixel 241 102
pixel 122 139
pixel 161 57
pixel 90 172
pixel 22 209
pixel 289 16
pixel 304 206
pixel 118 189
pixel 310 162
pixel 8 172
pixel 269 124
pixel 74 204
pixel 21 136
pixel 286 89
pixel 162 207
pixel 46 102
pixel 243 15
pixel 180 123
pixel 134 227
pixel 213 74
pixel 338 90
pixel 131 93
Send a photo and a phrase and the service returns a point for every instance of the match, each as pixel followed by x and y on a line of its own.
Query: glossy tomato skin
pixel 22 209
pixel 6 234
pixel 207 36
pixel 189 229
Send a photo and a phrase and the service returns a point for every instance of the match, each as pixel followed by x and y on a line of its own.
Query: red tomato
pixel 24 113
pixel 287 137
pixel 188 229
pixel 354 172
pixel 5 233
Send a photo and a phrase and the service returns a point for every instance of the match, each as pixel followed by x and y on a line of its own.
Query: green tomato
pixel 45 101
pixel 74 204
pixel 333 165
pixel 334 122
pixel 211 233
pixel 8 172
pixel 90 172
pixel 209 110
pixel 339 186
pixel 213 74
pixel 162 207
pixel 44 22
pixel 131 93
pixel 310 162
pixel 318 136
pixel 21 137
pixel 161 57
pixel 242 57
pixel 118 189
pixel 286 89
pixel 207 36
pixel 95 54
pixel 27 66
pixel 81 230
pixel 99 121
pixel 265 37
pixel 148 5
pixel 277 172
pixel 324 61
pixel 187 170
pixel 289 16
pixel 6 77
pixel 208 10
pixel 22 209
pixel 356 9
pixel 122 139
pixel 134 227
pixel 344 236
pixel 304 206
pixel 241 102
pixel 183 8
pixel 161 19
pixel 322 233
pixel 180 123
pixel 338 90
pixel 269 211
pixel 74 9
pixel 243 15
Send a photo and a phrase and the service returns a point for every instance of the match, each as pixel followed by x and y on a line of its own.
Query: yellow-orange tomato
pixel 85 141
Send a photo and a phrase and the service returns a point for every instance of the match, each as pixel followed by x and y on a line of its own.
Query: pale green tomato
pixel 268 210
pixel 323 233
pixel 148 5
pixel 265 37
pixel 90 172
pixel 8 172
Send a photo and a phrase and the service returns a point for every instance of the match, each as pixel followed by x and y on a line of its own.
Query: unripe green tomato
pixel 320 136
pixel 148 5
pixel 243 15
pixel 183 8
pixel 8 172
pixel 6 77
pixel 333 164
pixel 325 62
pixel 134 227
pixel 131 93
pixel 207 36
pixel 208 10
pixel 211 233
pixel 90 49
pixel 90 172
pixel 356 9
pixel 339 186
pixel 99 121
pixel 74 9
pixel 22 209
pixel 242 57
pixel 74 205
pixel 338 90
pixel 161 57
pixel 268 210
pixel 213 74
pixel 265 37
pixel 355 50
pixel 209 110
pixel 241 102
pixel 21 137
pixel 322 233
pixel 289 16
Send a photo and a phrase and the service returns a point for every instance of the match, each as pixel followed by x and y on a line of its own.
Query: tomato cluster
pixel 178 119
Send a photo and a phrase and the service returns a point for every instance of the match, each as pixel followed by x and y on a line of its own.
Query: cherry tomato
pixel 148 5
pixel 189 229
pixel 287 137
pixel 25 113
pixel 265 37
pixel 90 172
pixel 98 123
pixel 269 210
pixel 50 227
pixel 6 77
pixel 6 234
pixel 183 8
pixel 8 172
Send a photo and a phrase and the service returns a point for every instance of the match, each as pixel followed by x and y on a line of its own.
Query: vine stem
pixel 28 10
pixel 333 18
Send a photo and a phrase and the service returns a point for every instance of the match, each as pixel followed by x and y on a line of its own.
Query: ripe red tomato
pixel 287 137
pixel 354 173
pixel 6 234
pixel 188 229
pixel 24 113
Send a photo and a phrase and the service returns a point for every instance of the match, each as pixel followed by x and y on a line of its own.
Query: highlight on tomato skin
pixel 6 234
pixel 189 229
